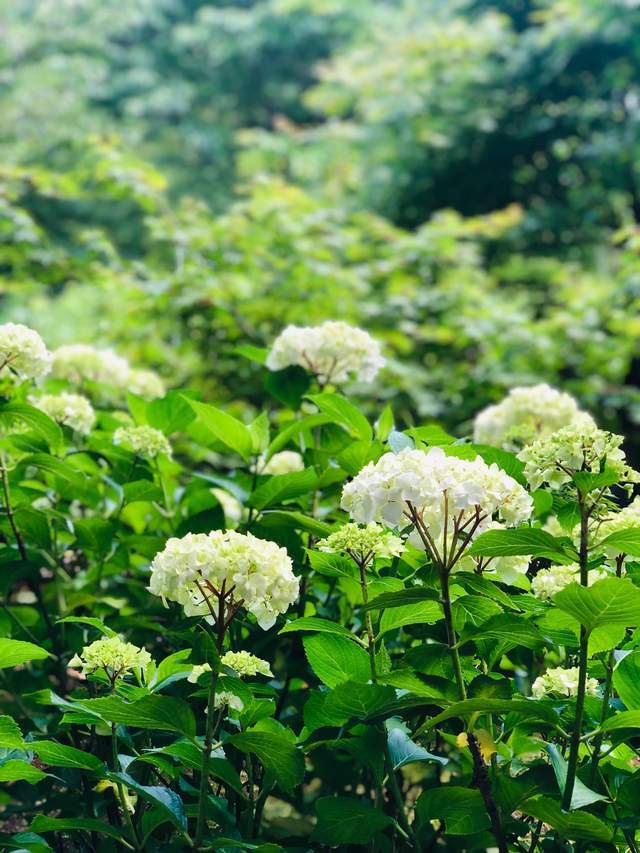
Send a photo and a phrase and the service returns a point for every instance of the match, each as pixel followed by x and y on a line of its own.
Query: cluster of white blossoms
pixel 285 462
pixel 562 682
pixel 550 581
pixel 225 698
pixel 72 410
pixel 78 362
pixel 145 383
pixel 23 352
pixel 555 458
pixel 112 654
pixel 627 518
pixel 334 351
pixel 363 542
pixel 145 440
pixel 440 488
pixel 82 362
pixel 260 573
pixel 526 414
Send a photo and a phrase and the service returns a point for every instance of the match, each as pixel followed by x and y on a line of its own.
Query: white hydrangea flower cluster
pixel 627 518
pixel 562 682
pixel 260 573
pixel 112 654
pixel 72 410
pixel 82 362
pixel 555 458
pixel 334 351
pixel 439 487
pixel 145 440
pixel 364 542
pixel 550 581
pixel 23 351
pixel 145 383
pixel 78 362
pixel 285 462
pixel 525 414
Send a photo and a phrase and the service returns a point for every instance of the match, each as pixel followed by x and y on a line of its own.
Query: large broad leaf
pixel 344 413
pixel 524 541
pixel 581 795
pixel 36 420
pixel 401 598
pixel 293 429
pixel 573 826
pixel 282 487
pixel 10 734
pixel 60 755
pixel 224 428
pixel 320 626
pixel 626 680
pixel 431 434
pixel 332 565
pixel 527 708
pixel 162 798
pixel 42 823
pixel 473 610
pixel 624 542
pixel 505 627
pixel 509 462
pixel 56 467
pixel 164 713
pixel 622 720
pixel 15 652
pixel 16 770
pixel 296 520
pixel 336 659
pixel 461 809
pixel 612 601
pixel 420 613
pixel 276 753
pixel 356 701
pixel 94 534
pixel 345 820
pixel 587 481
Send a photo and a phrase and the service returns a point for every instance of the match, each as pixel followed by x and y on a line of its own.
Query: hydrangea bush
pixel 310 631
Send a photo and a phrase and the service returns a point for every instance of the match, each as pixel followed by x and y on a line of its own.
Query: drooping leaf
pixel 276 753
pixel 343 413
pixel 623 541
pixel 346 820
pixel 10 734
pixel 581 795
pixel 527 708
pixel 574 826
pixel 402 749
pixel 160 797
pixel 522 541
pixel 318 625
pixel 626 680
pixel 60 755
pixel 226 429
pixel 461 809
pixel 16 770
pixel 164 713
pixel 282 487
pixel 42 823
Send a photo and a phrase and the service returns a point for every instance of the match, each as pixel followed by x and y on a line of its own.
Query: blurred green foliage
pixel 183 178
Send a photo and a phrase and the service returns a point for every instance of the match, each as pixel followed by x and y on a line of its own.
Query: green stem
pixel 574 748
pixel 399 799
pixel 599 738
pixel 206 754
pixel 368 621
pixel 451 634
pixel 121 792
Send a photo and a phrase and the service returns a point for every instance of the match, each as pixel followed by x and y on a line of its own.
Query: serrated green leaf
pixel 612 601
pixel 523 541
pixel 461 809
pixel 276 753
pixel 573 826
pixel 318 625
pixel 343 413
pixel 336 659
pixel 346 820
pixel 282 487
pixel 226 429
pixel 15 652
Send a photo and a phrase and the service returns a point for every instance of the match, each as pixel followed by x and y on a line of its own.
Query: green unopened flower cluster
pixel 243 663
pixel 144 440
pixel 72 410
pixel 363 542
pixel 112 654
pixel 555 458
pixel 561 682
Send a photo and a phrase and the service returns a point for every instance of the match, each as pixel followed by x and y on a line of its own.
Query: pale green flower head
pixel 550 581
pixel 144 440
pixel 113 655
pixel 244 663
pixel 555 458
pixel 561 682
pixel 363 542
pixel 146 384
